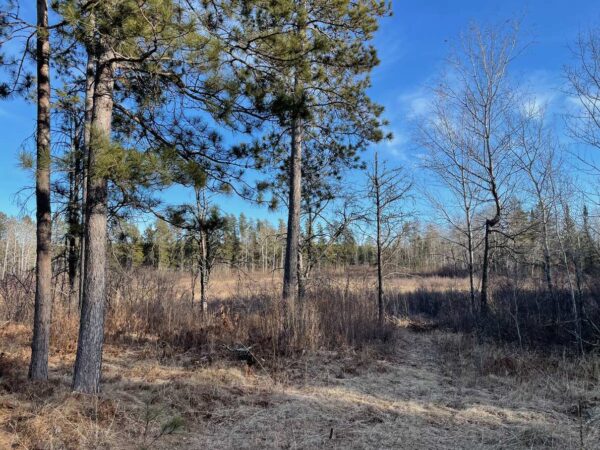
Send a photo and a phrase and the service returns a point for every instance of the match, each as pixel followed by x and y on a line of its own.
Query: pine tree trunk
pixel 290 269
pixel 88 363
pixel 73 224
pixel 90 72
pixel 38 369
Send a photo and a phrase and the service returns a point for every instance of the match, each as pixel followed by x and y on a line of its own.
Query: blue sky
pixel 414 43
pixel 412 46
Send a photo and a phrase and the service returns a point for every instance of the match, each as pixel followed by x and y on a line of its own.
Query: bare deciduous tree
pixel 536 156
pixel 478 100
pixel 584 82
pixel 388 190
pixel 448 158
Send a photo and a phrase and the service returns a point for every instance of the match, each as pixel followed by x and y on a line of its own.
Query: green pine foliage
pixel 310 62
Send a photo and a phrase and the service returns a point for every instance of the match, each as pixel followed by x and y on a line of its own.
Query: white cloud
pixel 546 91
pixel 397 146
pixel 415 104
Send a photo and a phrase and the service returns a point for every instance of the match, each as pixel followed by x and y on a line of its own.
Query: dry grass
pixel 435 390
pixel 229 284
pixel 325 377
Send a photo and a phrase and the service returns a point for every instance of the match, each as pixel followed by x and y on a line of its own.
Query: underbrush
pixel 526 317
pixel 171 372
pixel 331 319
pixel 338 312
pixel 152 307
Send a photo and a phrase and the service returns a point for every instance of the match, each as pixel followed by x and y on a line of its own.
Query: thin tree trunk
pixel 485 271
pixel 38 369
pixel 6 249
pixel 489 225
pixel 15 256
pixel 579 297
pixel 22 259
pixel 88 363
pixel 547 263
pixel 470 261
pixel 290 269
pixel 194 275
pixel 203 272
pixel 380 304
pixel 73 225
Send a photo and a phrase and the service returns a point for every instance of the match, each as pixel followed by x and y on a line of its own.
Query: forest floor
pixel 429 390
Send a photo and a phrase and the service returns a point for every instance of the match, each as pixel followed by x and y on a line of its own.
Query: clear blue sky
pixel 412 46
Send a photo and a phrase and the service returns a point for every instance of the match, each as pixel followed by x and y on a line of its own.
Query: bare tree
pixel 449 159
pixel 19 239
pixel 569 244
pixel 329 212
pixel 38 368
pixel 478 100
pixel 387 190
pixel 583 77
pixel 536 156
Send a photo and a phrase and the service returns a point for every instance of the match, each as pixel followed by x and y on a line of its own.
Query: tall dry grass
pixel 319 360
pixel 244 310
pixel 339 311
pixel 332 317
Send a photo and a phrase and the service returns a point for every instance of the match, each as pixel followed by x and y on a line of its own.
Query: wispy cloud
pixel 415 104
pixel 546 91
pixel 397 145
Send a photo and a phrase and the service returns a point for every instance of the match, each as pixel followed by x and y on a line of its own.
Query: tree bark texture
pixel 38 368
pixel 88 362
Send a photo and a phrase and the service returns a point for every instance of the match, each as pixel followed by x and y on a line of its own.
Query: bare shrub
pixel 148 305
pixel 16 297
pixel 520 315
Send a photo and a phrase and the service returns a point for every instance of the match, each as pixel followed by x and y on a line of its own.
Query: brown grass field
pixel 422 389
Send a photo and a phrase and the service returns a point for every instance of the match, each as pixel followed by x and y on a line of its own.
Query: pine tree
pixel 307 78
pixel 143 49
pixel 205 225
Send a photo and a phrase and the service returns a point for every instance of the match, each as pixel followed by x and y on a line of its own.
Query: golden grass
pixel 432 390
pixel 226 285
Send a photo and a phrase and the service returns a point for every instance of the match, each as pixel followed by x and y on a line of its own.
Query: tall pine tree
pixel 306 66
